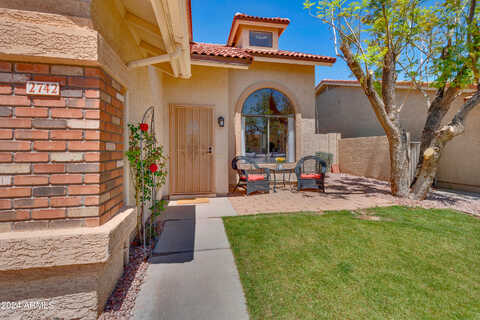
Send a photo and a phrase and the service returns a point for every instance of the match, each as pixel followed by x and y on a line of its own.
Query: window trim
pixel 250 36
pixel 290 141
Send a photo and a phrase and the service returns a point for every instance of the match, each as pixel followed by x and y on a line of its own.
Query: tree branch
pixel 388 82
pixel 366 81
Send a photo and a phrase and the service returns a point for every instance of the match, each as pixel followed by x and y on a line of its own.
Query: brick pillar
pixel 60 157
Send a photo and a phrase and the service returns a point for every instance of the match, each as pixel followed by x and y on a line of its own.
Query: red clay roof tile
pixel 290 55
pixel 242 16
pixel 218 50
pixel 247 55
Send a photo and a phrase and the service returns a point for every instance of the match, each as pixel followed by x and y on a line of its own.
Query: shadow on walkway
pixel 177 241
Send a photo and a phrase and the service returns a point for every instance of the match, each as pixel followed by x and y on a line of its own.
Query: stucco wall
pixel 77 8
pixel 74 280
pixel 146 90
pixel 221 88
pixel 296 81
pixel 460 163
pixel 109 22
pixel 26 33
pixel 347 110
pixel 207 87
pixel 299 79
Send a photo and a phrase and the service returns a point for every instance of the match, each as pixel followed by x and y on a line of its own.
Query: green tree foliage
pixel 432 43
pixel 427 38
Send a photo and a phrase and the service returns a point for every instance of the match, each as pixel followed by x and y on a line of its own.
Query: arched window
pixel 268 126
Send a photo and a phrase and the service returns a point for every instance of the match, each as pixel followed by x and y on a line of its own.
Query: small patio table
pixel 281 168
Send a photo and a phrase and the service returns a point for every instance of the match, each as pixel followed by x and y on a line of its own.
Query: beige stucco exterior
pixel 244 36
pixel 72 269
pixel 73 8
pixel 346 110
pixel 220 87
pixel 117 36
pixel 225 90
pixel 295 81
pixel 96 34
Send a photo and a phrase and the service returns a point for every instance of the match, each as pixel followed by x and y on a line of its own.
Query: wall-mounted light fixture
pixel 221 122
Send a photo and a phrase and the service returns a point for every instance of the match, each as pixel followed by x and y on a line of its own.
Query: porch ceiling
pixel 160 30
pixel 141 9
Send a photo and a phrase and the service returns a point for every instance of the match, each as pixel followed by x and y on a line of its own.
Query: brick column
pixel 60 157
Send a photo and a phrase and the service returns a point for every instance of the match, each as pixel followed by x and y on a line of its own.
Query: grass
pixel 412 264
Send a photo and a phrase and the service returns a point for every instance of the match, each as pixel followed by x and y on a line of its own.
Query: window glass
pixel 268 126
pixel 267 102
pixel 256 135
pixel 261 39
pixel 278 137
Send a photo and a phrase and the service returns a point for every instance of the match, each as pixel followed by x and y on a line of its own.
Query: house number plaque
pixel 41 88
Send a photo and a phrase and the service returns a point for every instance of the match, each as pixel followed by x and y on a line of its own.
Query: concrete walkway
pixel 192 274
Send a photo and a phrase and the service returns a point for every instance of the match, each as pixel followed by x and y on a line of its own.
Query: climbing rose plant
pixel 154 167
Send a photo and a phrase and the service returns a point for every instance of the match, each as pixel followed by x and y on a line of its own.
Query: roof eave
pixel 208 61
pixel 353 83
pixel 235 60
pixel 293 60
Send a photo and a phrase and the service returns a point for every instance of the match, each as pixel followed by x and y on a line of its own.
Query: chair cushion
pixel 311 176
pixel 253 177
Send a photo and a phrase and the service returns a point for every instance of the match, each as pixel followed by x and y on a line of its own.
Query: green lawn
pixel 413 264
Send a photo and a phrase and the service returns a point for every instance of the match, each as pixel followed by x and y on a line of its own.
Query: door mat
pixel 193 201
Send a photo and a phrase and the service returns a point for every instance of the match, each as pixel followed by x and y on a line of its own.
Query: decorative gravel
pixel 442 199
pixel 122 301
pixel 467 202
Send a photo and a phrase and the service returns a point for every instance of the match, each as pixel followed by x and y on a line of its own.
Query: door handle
pixel 210 149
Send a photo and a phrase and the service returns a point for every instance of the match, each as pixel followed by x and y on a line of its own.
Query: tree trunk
pixel 436 112
pixel 399 179
pixel 426 175
pixel 431 156
pixel 388 114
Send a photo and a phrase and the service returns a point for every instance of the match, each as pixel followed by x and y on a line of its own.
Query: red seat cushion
pixel 311 176
pixel 253 177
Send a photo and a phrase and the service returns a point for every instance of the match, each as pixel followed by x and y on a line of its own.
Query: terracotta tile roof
pixel 218 50
pixel 283 54
pixel 247 55
pixel 241 16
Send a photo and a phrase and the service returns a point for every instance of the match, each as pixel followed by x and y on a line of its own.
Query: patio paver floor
pixel 347 192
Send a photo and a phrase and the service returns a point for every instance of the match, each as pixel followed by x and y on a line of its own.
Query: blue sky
pixel 212 20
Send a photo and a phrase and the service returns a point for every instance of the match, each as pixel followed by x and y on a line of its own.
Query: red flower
pixel 144 127
pixel 153 167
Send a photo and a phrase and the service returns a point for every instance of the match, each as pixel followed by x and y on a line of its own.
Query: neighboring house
pixel 64 227
pixel 341 106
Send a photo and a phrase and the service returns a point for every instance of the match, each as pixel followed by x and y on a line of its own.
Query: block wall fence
pixel 60 157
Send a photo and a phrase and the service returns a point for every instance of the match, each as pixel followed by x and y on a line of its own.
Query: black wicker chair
pixel 252 179
pixel 310 171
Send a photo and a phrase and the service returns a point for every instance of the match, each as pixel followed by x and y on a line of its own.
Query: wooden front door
pixel 191 150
